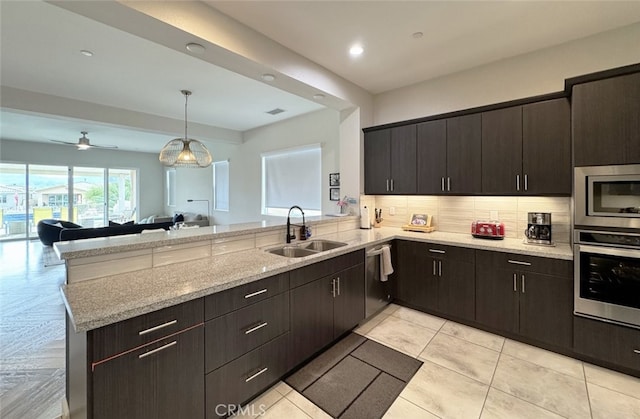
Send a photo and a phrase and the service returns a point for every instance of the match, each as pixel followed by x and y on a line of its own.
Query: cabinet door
pixel 546 147
pixel 348 305
pixel 403 160
pixel 606 121
pixel 546 308
pixel 457 289
pixel 431 157
pixel 502 151
pixel 496 297
pixel 160 380
pixel 377 169
pixel 464 151
pixel 311 318
pixel 417 286
pixel 608 342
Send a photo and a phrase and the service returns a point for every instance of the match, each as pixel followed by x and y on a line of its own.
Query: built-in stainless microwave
pixel 607 196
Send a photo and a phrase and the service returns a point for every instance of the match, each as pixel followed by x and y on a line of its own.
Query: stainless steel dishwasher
pixel 378 293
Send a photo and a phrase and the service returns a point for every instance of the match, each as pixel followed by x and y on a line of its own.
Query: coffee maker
pixel 538 228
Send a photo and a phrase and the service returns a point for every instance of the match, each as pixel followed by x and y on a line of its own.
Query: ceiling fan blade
pixel 63 142
pixel 112 147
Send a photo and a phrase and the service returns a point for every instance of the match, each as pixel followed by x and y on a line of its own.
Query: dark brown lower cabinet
pixel 324 309
pixel 238 381
pixel 611 343
pixel 436 278
pixel 525 295
pixel 160 380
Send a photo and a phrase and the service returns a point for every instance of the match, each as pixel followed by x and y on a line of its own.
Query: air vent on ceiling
pixel 275 111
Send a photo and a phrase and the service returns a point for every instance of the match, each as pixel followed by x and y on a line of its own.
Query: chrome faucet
pixel 303 231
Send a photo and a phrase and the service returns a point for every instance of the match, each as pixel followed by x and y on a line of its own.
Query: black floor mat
pixel 356 378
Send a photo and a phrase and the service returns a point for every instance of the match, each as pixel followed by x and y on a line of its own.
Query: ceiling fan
pixel 83 143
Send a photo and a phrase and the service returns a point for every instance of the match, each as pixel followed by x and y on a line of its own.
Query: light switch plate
pixel 392 210
pixel 494 215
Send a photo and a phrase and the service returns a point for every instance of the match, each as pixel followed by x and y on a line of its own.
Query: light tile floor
pixel 469 373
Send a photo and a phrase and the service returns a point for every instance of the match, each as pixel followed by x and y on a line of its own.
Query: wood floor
pixel 32 365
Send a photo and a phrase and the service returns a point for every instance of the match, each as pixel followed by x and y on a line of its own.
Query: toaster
pixel 487 229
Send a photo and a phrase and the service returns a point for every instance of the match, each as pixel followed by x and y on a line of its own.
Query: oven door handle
pixel 612 251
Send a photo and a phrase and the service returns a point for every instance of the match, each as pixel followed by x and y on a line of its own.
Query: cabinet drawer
pixel 163 380
pixel 448 252
pixel 607 342
pixel 119 337
pixel 240 380
pixel 546 266
pixel 328 267
pixel 235 298
pixel 234 334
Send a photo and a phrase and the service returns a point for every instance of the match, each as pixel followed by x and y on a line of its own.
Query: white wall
pixel 151 174
pixel 245 166
pixel 532 74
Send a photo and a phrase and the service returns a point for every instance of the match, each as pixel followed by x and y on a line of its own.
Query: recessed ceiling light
pixel 417 35
pixel 356 50
pixel 318 96
pixel 268 77
pixel 86 53
pixel 195 48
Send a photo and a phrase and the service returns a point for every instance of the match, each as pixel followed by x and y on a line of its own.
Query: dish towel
pixel 386 268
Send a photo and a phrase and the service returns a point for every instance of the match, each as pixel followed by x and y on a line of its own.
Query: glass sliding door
pixel 48 194
pixel 89 196
pixel 13 201
pixel 122 195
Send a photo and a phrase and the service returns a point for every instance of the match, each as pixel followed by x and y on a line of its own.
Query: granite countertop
pixel 103 301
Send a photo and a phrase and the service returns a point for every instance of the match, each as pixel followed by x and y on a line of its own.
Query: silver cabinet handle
pixel 448 184
pixel 387 185
pixel 391 185
pixel 526 182
pixel 338 286
pixel 253 329
pixel 517 182
pixel 153 329
pixel 333 288
pixel 253 294
pixel 434 267
pixel 517 262
pixel 256 374
pixel 168 345
pixel 442 184
pixel 439 268
pixel 437 251
pixel 637 351
pixel 522 284
pixel 515 284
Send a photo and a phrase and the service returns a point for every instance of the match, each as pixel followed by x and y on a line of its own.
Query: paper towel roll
pixel 365 218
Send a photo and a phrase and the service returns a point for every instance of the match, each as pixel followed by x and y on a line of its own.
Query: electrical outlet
pixel 494 215
pixel 392 210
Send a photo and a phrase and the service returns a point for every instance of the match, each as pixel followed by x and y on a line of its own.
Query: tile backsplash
pixel 455 214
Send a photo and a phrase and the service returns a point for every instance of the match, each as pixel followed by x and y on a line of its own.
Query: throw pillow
pixel 178 218
pixel 113 223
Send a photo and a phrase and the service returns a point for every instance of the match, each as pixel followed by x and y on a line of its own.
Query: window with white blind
pixel 292 177
pixel 221 186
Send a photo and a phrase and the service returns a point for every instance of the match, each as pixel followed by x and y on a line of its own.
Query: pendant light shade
pixel 185 152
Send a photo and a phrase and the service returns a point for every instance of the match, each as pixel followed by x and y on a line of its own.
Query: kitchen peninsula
pixel 146 312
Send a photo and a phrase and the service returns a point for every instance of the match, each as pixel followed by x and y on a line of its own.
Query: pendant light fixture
pixel 185 152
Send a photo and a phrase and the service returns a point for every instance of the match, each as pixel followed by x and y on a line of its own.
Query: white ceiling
pixel 40 46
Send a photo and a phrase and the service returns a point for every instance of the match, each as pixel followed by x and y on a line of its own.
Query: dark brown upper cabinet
pixel 546 147
pixel 390 161
pixel 448 156
pixel 526 150
pixel 606 121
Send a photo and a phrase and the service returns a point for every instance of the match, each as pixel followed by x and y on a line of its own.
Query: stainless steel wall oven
pixel 607 276
pixel 607 196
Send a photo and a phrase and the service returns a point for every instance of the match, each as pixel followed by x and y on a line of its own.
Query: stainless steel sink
pixel 292 251
pixel 322 245
pixel 306 249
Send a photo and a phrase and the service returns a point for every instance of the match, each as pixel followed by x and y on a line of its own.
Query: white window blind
pixel 292 177
pixel 221 185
